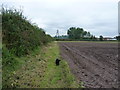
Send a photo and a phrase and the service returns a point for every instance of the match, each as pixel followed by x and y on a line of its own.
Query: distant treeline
pixel 79 34
pixel 75 34
pixel 118 37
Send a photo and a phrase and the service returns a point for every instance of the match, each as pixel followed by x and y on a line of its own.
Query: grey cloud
pixel 96 17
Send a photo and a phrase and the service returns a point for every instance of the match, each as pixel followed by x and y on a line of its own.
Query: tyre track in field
pixel 95 72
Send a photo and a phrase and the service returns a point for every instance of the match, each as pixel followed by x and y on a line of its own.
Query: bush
pixel 9 64
pixel 7 58
pixel 19 35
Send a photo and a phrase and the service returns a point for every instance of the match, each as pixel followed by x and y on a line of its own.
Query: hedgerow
pixel 19 35
pixel 19 38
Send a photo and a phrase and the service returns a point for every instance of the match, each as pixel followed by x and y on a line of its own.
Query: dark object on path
pixel 57 62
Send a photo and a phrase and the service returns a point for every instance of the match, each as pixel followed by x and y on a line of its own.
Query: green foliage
pixel 9 64
pixel 101 38
pixel 19 35
pixel 118 38
pixel 57 76
pixel 75 33
pixel 7 57
pixel 79 34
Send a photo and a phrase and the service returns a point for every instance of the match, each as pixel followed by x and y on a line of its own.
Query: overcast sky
pixel 100 17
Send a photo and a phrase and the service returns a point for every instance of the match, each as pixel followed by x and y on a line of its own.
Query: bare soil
pixel 94 64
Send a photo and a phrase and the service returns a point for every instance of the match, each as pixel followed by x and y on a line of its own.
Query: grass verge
pixel 38 70
pixel 57 76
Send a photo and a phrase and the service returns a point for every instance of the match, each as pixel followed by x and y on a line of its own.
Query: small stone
pixel 86 75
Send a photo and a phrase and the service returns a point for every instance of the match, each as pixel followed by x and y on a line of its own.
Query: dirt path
pixel 95 64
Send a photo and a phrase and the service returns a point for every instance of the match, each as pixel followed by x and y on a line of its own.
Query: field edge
pixel 38 70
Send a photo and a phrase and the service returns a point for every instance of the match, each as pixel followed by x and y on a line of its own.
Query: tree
pixel 77 33
pixel 71 32
pixel 85 33
pixel 88 34
pixel 93 37
pixel 118 38
pixel 101 38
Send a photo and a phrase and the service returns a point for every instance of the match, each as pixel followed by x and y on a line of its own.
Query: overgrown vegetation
pixel 19 37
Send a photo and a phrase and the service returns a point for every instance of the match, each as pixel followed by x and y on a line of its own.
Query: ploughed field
pixel 94 64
